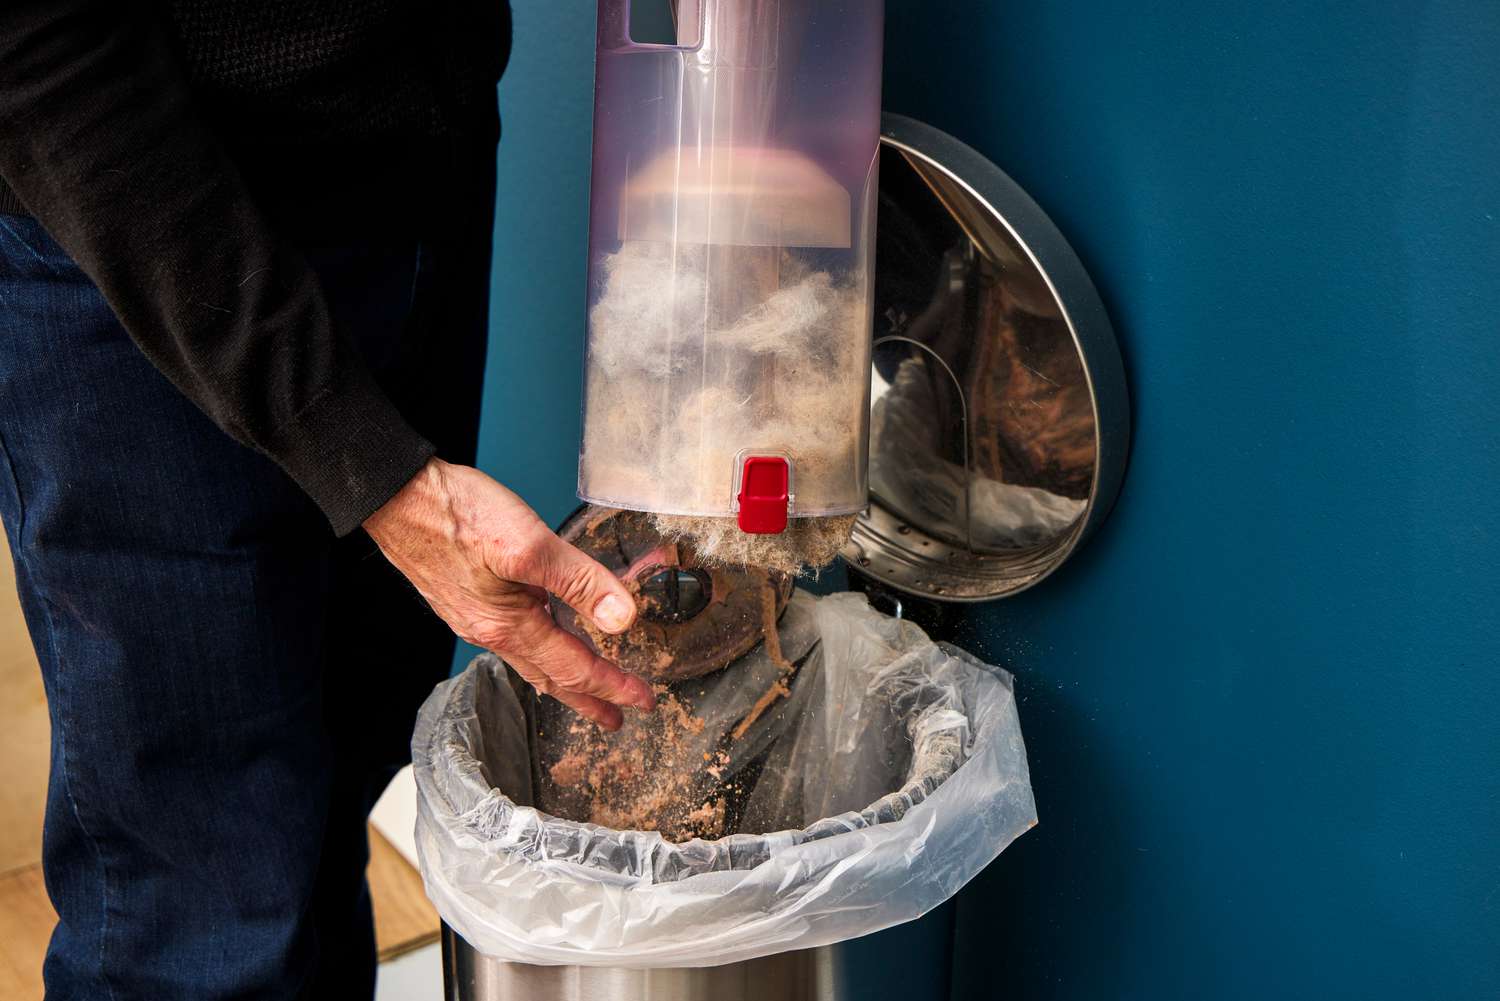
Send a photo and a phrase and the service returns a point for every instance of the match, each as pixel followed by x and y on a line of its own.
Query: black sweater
pixel 180 149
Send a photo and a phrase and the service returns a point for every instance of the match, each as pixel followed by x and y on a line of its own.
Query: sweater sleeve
pixel 100 141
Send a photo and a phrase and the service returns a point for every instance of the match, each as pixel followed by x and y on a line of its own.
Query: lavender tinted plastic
pixel 731 254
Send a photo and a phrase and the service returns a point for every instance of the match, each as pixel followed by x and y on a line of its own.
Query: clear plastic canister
pixel 731 255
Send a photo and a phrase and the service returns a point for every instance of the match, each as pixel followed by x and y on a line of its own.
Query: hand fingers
pixel 561 662
pixel 587 706
pixel 585 584
pixel 572 666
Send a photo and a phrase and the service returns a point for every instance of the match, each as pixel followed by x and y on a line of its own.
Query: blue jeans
pixel 230 687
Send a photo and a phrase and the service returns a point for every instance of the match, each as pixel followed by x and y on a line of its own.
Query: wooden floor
pixel 404 919
pixel 23 733
pixel 26 920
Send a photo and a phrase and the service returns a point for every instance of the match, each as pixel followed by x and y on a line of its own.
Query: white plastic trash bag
pixel 907 753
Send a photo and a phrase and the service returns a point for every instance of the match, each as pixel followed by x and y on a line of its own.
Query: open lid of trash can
pixel 999 416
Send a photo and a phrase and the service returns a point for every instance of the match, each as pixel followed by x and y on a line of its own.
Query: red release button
pixel 765 495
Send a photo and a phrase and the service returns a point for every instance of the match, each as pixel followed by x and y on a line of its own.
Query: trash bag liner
pixel 892 774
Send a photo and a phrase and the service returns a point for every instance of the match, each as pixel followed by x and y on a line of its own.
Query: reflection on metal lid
pixel 999 418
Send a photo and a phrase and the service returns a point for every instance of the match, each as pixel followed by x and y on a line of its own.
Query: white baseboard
pixel 395 815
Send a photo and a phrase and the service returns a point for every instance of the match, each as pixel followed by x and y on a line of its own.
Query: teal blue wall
pixel 529 438
pixel 1263 707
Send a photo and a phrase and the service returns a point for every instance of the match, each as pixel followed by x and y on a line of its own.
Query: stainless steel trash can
pixel 805 975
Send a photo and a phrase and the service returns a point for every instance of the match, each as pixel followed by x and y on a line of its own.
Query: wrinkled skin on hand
pixel 486 563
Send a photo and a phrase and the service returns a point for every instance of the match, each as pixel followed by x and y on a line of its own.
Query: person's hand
pixel 485 562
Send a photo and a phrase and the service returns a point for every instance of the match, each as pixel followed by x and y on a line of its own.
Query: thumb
pixel 582 582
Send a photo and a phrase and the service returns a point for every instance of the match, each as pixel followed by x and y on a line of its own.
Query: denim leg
pixel 204 828
pixel 174 583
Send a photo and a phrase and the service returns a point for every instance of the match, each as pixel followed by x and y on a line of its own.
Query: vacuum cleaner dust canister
pixel 731 260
